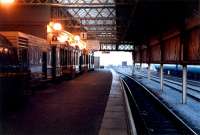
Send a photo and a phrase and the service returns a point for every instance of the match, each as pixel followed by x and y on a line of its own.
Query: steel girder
pixel 89 19
pixel 83 15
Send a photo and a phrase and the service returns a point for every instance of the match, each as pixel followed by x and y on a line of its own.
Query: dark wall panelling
pixel 194 46
pixel 155 53
pixel 137 59
pixel 172 50
pixel 144 56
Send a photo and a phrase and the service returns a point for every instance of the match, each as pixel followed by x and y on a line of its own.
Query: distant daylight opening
pixel 114 58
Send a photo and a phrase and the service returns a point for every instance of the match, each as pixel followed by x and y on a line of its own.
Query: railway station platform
pixel 84 105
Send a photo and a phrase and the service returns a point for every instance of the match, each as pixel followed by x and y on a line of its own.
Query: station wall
pixel 27 19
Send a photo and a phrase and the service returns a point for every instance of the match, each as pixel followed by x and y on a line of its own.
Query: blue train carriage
pixel 14 67
pixel 11 77
pixel 37 51
pixel 91 61
pixel 70 59
pixel 32 54
pixel 83 65
pixel 63 58
pixel 86 60
pixel 77 55
pixel 54 60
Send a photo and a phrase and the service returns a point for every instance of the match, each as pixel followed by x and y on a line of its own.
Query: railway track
pixel 178 79
pixel 175 80
pixel 150 115
pixel 194 93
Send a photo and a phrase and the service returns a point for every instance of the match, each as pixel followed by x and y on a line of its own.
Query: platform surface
pixel 74 107
pixel 115 121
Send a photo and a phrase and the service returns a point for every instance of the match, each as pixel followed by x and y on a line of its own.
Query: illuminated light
pixel 7 1
pixel 51 24
pixel 57 26
pixel 62 38
pixel 77 38
pixel 49 29
pixel 6 50
pixel 82 45
pixel 1 49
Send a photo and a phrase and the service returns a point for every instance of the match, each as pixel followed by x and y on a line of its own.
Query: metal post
pixel 44 65
pixel 53 61
pixel 184 85
pixel 149 71
pixel 140 67
pixel 133 69
pixel 161 77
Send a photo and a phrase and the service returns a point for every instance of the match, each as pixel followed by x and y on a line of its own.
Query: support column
pixel 133 68
pixel 184 60
pixel 133 58
pixel 53 61
pixel 149 71
pixel 162 60
pixel 184 85
pixel 140 67
pixel 44 65
pixel 161 77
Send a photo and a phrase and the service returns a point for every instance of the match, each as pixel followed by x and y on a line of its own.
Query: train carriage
pixel 91 61
pixel 31 52
pixel 27 61
pixel 13 70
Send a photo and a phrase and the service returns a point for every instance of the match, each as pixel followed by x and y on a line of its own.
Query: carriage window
pixel 8 56
pixel 23 56
pixel 49 57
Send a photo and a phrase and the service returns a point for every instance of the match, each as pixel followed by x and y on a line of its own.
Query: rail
pixel 183 127
pixel 168 83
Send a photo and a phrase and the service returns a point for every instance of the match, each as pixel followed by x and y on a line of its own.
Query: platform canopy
pixel 120 22
pixel 97 19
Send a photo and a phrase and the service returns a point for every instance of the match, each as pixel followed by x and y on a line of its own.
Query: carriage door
pixel 44 64
pixel 23 55
pixel 80 62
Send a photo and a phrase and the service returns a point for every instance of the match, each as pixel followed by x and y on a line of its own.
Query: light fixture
pixel 62 38
pixel 6 50
pixel 1 49
pixel 57 26
pixel 7 1
pixel 49 29
pixel 77 38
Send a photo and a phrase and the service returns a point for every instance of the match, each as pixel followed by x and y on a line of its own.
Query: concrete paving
pixel 115 117
pixel 74 107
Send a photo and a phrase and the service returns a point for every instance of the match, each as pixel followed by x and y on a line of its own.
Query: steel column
pixel 53 62
pixel 44 65
pixel 140 52
pixel 149 71
pixel 133 58
pixel 133 68
pixel 161 77
pixel 184 85
pixel 140 67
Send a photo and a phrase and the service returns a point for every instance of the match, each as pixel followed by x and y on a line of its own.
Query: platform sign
pixel 83 35
pixel 105 52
